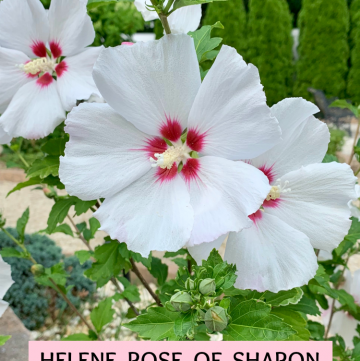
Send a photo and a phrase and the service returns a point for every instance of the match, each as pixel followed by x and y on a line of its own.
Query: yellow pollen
pixel 274 193
pixel 174 154
pixel 38 65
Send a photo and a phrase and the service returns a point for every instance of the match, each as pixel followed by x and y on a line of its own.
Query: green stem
pixel 26 164
pixel 168 7
pixel 62 294
pixel 165 23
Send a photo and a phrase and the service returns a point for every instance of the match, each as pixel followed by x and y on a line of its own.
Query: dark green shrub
pixel 323 49
pixel 233 16
pixel 115 23
pixel 270 46
pixel 31 301
pixel 353 88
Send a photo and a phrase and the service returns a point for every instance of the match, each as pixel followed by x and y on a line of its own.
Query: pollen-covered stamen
pixel 41 65
pixel 277 189
pixel 174 154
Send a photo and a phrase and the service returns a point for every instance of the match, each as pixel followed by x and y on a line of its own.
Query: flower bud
pixel 216 319
pixel 181 301
pixel 189 284
pixel 207 286
pixel 37 270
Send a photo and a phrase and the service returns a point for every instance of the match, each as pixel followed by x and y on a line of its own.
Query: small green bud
pixel 216 319
pixel 189 284
pixel 181 301
pixel 207 286
pixel 37 270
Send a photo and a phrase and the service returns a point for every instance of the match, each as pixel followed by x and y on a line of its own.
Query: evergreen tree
pixel 323 49
pixel 270 46
pixel 232 15
pixel 353 88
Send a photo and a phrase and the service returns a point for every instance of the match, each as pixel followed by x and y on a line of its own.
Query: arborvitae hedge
pixel 323 49
pixel 353 88
pixel 232 15
pixel 270 46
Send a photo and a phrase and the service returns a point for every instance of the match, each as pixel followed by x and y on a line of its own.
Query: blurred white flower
pixel 45 66
pixel 181 21
pixel 4 137
pixel 161 194
pixel 5 283
pixel 305 209
pixel 343 323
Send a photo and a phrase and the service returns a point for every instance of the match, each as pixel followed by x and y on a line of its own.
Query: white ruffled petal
pixel 104 153
pixel 271 256
pixel 185 19
pixel 4 137
pixel 202 251
pixel 76 82
pixel 149 215
pixel 71 28
pixel 34 111
pixel 317 202
pixel 147 14
pixel 223 195
pixel 150 83
pixel 230 110
pixel 304 139
pixel 24 26
pixel 12 78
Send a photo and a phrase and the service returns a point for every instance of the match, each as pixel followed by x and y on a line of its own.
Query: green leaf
pixel 83 206
pixel 94 225
pixel 306 305
pixel 156 325
pixel 77 337
pixel 251 321
pixel 180 252
pixel 44 167
pixel 63 228
pixel 201 333
pixel 4 339
pixel 342 103
pixel 109 262
pixel 159 270
pixel 330 158
pixel 102 314
pixel 21 224
pixel 185 324
pixel 346 300
pixel 59 211
pixel 28 183
pixel 12 252
pixel 57 274
pixel 180 262
pixel 296 321
pixel 55 146
pixel 320 284
pixel 137 257
pixel 83 256
pixel 131 292
pixel 203 41
pixel 95 3
pixel 181 3
pixel 317 330
pixel 356 352
pixel 282 298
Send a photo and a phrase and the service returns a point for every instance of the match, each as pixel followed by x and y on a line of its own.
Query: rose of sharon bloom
pixel 305 209
pixel 161 151
pixel 5 283
pixel 343 323
pixel 44 65
pixel 181 21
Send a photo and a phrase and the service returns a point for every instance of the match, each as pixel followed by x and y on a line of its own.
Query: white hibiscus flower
pixel 343 323
pixel 44 65
pixel 5 283
pixel 158 194
pixel 181 21
pixel 306 208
